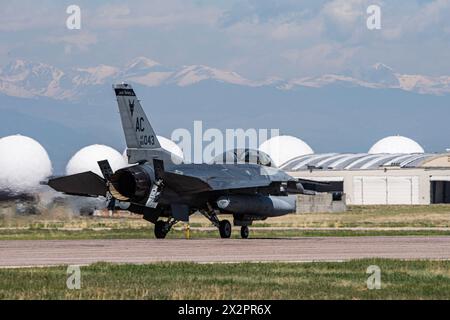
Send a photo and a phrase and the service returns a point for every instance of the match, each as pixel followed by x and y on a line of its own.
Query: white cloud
pixel 155 13
pixel 344 12
pixel 260 38
pixel 80 41
pixel 24 15
pixel 332 57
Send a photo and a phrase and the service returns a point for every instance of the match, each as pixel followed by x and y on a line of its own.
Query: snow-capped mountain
pixel 28 79
pixel 378 76
pixel 150 73
pixel 94 76
pixel 190 75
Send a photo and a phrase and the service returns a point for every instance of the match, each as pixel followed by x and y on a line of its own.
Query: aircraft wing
pixel 203 177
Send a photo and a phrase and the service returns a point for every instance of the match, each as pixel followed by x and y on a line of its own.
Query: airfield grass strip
pixel 321 280
pixel 126 226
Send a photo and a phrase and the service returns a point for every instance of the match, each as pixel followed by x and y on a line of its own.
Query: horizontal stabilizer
pixel 185 184
pixel 81 184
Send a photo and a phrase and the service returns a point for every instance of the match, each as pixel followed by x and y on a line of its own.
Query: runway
pixel 24 253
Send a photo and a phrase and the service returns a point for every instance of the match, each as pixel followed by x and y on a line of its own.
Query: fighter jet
pixel 165 191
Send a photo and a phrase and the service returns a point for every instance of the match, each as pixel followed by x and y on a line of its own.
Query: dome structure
pixel 167 145
pixel 282 149
pixel 24 164
pixel 396 145
pixel 86 160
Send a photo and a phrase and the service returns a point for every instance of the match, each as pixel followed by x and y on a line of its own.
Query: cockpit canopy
pixel 244 156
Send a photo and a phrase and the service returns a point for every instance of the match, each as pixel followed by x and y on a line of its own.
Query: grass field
pixel 60 224
pixel 324 280
pixel 347 280
pixel 147 233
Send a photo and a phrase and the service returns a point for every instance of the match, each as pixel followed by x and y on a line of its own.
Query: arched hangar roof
pixel 355 161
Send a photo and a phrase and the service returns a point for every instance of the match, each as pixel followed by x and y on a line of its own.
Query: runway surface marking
pixel 22 253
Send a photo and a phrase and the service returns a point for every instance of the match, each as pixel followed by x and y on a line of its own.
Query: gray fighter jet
pixel 165 191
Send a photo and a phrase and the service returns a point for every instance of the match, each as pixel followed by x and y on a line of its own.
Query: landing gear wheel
pixel 245 232
pixel 160 229
pixel 225 229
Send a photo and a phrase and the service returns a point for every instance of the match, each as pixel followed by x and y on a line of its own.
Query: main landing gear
pixel 224 226
pixel 225 229
pixel 245 232
pixel 162 228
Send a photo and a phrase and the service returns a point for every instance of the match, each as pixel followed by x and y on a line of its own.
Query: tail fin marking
pixel 139 133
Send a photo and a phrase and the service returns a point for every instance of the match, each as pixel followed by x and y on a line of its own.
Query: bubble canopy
pixel 244 156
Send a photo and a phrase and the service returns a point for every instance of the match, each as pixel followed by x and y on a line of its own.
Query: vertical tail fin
pixel 139 133
pixel 141 139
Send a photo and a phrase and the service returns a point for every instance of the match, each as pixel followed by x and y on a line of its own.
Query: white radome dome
pixel 24 163
pixel 285 148
pixel 86 160
pixel 396 144
pixel 167 145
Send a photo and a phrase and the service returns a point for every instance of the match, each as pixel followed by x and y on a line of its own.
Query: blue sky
pixel 256 38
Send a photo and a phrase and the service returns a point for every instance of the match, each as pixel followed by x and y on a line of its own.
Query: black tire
pixel 160 229
pixel 225 229
pixel 245 232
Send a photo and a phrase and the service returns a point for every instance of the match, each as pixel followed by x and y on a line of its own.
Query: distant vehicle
pixel 165 192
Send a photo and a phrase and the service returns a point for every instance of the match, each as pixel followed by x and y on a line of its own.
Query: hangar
pixel 395 171
pixel 379 179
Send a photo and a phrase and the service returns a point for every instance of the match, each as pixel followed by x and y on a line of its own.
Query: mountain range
pixel 28 79
pixel 67 109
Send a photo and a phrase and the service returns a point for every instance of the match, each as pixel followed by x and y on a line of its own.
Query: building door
pixel 385 190
pixel 440 191
pixel 369 190
pixel 403 190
